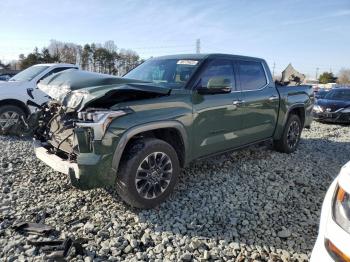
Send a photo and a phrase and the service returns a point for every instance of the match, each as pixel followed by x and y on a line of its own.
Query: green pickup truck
pixel 135 133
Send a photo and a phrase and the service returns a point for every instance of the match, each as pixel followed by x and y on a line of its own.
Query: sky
pixel 309 34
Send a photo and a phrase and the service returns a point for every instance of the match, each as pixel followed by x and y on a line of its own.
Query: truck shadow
pixel 250 196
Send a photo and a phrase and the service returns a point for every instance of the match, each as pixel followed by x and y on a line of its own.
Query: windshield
pixel 29 73
pixel 321 93
pixel 342 95
pixel 173 73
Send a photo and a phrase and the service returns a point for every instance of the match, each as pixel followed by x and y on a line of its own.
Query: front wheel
pixel 291 135
pixel 10 115
pixel 148 173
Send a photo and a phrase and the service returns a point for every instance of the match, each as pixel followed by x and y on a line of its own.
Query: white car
pixel 15 93
pixel 333 241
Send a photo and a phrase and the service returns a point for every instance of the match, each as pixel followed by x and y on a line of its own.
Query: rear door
pixel 217 117
pixel 260 101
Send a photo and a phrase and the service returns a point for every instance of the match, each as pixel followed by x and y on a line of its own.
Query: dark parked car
pixel 321 93
pixel 5 77
pixel 334 106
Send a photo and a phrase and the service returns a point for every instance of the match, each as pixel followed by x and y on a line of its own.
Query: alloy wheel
pixel 153 175
pixel 293 134
pixel 8 118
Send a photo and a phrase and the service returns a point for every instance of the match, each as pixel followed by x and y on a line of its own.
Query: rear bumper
pixel 89 171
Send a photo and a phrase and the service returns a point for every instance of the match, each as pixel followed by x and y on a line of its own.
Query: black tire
pixel 11 110
pixel 289 142
pixel 135 160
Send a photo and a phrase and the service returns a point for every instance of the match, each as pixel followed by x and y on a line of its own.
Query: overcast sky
pixel 308 33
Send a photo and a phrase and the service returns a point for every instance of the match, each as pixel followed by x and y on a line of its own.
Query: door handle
pixel 237 102
pixel 273 98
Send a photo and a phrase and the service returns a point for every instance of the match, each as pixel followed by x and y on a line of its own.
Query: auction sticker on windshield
pixel 187 62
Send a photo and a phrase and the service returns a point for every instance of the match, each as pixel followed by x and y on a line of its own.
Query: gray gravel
pixel 250 205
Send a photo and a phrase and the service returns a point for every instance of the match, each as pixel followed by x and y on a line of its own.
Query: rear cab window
pixel 252 75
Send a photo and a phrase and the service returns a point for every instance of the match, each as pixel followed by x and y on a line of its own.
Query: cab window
pixel 218 70
pixel 252 75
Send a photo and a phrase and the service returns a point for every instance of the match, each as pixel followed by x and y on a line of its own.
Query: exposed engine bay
pixel 54 124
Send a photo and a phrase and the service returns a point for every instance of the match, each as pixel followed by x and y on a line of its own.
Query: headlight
pixel 317 108
pixel 98 121
pixel 346 110
pixel 335 252
pixel 341 209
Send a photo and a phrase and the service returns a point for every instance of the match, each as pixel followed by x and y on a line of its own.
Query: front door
pixel 217 117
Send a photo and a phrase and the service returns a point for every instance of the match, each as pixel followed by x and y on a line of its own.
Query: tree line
pixel 102 58
pixel 343 77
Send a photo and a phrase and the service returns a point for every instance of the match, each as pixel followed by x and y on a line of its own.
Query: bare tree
pixel 344 77
pixel 65 52
pixel 102 58
pixel 110 46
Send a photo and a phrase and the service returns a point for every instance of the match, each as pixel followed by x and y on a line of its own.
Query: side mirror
pixel 216 85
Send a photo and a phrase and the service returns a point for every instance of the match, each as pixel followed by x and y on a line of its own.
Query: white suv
pixel 22 88
pixel 334 233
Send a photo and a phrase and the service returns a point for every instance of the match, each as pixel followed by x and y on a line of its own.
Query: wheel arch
pixel 160 130
pixel 15 102
pixel 299 110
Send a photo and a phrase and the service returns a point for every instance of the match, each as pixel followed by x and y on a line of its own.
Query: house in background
pixel 290 76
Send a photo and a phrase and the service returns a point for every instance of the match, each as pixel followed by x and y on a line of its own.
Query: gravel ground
pixel 250 205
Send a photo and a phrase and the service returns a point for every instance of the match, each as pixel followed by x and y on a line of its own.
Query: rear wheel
pixel 291 135
pixel 10 115
pixel 148 173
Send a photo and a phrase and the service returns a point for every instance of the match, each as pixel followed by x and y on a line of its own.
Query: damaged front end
pixel 72 143
pixel 71 132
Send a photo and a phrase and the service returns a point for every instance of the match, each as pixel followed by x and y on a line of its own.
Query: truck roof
pixel 204 56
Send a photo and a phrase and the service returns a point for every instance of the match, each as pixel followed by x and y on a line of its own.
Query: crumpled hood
pixel 76 88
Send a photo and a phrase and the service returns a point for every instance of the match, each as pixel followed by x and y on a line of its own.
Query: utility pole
pixel 317 72
pixel 273 70
pixel 198 46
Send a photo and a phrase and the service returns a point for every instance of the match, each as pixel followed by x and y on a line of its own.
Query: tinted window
pixel 218 68
pixel 321 93
pixel 29 73
pixel 343 95
pixel 252 75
